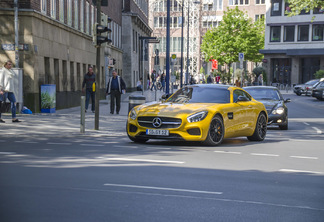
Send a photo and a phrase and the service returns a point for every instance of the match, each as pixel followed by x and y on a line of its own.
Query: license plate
pixel 156 132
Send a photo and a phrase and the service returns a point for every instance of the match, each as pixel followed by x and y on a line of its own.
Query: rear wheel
pixel 216 132
pixel 260 129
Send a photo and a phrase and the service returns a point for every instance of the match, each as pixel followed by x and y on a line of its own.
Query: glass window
pixel 289 33
pixel 258 2
pixel 62 11
pixel 53 8
pixel 318 11
pixel 275 33
pixel 87 18
pixel 205 7
pixel 175 22
pixel 276 7
pixel 230 2
pixel 43 6
pixel 81 15
pixel 156 22
pixel 76 14
pixel 303 12
pixel 318 32
pixel 220 4
pixel 238 93
pixel 69 12
pixel 303 31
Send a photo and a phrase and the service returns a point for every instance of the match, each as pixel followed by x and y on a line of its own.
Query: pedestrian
pixel 163 82
pixel 115 87
pixel 153 80
pixel 260 80
pixel 139 86
pixel 217 78
pixel 148 81
pixel 88 82
pixel 7 89
pixel 209 79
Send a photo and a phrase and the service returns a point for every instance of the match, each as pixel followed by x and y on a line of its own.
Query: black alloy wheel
pixel 260 131
pixel 216 132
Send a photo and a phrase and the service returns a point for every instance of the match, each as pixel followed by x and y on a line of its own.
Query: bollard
pixel 135 100
pixel 82 116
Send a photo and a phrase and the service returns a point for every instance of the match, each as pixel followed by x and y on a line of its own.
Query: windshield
pixel 200 95
pixel 312 82
pixel 264 94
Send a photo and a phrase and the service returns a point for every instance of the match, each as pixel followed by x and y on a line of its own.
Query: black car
pixel 274 103
pixel 305 88
pixel 318 91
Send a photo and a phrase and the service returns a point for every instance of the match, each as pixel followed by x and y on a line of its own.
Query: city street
pixel 63 175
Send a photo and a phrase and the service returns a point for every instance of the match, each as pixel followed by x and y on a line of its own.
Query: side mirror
pixel 287 100
pixel 242 99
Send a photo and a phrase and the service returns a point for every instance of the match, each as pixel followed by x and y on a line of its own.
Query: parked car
pixel 318 91
pixel 305 88
pixel 203 112
pixel 274 102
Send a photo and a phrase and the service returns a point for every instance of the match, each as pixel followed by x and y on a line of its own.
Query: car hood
pixel 171 109
pixel 271 104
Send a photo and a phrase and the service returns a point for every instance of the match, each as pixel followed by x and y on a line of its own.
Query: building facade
pixel 55 41
pixel 201 15
pixel 294 46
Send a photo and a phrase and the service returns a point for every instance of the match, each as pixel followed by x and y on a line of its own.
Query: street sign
pixel 174 56
pixel 241 56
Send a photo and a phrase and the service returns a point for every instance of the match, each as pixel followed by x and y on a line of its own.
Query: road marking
pixel 307 124
pixel 162 188
pixel 146 160
pixel 25 142
pixel 59 143
pixel 318 131
pixel 227 152
pixel 7 153
pixel 264 154
pixel 305 157
pixel 83 144
pixel 299 171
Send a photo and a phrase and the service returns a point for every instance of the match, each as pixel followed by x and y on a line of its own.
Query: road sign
pixel 174 56
pixel 241 56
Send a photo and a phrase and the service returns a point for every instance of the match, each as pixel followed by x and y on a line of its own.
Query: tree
pixel 236 33
pixel 319 74
pixel 296 6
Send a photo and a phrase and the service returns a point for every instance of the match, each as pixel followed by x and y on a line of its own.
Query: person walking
pixel 217 78
pixel 148 81
pixel 139 86
pixel 162 78
pixel 7 89
pixel 88 81
pixel 115 87
pixel 153 80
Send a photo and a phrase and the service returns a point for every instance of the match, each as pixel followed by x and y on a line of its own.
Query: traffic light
pixel 98 30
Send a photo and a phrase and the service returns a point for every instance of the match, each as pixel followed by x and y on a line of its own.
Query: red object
pixel 214 64
pixel 217 78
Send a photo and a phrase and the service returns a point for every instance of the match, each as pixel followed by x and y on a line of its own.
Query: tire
pixel 260 129
pixel 298 93
pixel 216 132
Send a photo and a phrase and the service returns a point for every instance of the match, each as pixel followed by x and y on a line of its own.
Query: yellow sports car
pixel 206 112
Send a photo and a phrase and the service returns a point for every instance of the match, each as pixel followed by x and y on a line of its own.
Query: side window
pixel 238 93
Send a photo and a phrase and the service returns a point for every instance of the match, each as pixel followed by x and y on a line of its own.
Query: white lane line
pixel 162 188
pixel 318 131
pixel 305 157
pixel 227 152
pixel 83 144
pixel 49 143
pixel 299 171
pixel 145 160
pixel 25 142
pixel 264 154
pixel 307 124
pixel 7 153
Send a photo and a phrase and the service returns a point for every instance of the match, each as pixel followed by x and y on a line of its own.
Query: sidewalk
pixel 66 122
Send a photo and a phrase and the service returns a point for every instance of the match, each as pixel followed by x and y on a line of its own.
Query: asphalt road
pixel 109 178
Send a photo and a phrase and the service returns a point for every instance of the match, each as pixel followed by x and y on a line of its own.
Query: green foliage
pixel 296 6
pixel 236 33
pixel 258 70
pixel 319 74
pixel 202 70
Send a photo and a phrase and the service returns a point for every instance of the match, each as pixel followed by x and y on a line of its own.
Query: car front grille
pixel 166 122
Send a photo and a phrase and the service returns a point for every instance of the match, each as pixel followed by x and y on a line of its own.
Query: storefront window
pixel 275 33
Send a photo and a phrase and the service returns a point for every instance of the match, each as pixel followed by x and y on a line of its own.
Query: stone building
pixel 55 38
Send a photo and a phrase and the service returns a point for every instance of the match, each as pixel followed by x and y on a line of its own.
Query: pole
pixel 143 46
pixel 97 71
pixel 188 46
pixel 82 116
pixel 167 78
pixel 181 65
pixel 16 35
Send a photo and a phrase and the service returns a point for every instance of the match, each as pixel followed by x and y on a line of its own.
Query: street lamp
pixel 188 60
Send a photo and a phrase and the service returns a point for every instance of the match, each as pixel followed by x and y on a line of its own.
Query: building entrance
pixel 309 67
pixel 281 71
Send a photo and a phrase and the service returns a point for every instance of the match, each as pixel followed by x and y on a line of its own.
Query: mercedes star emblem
pixel 157 122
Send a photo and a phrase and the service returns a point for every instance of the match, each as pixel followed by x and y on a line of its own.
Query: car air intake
pixel 194 131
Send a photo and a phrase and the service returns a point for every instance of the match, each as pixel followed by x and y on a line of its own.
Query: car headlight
pixel 197 117
pixel 279 110
pixel 133 114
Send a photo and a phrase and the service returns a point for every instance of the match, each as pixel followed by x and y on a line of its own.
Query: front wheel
pixel 260 129
pixel 216 132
